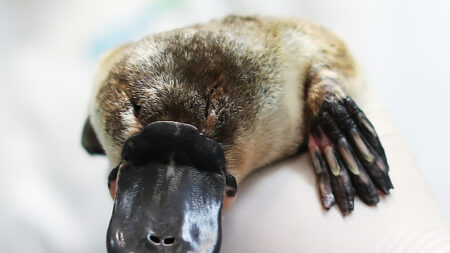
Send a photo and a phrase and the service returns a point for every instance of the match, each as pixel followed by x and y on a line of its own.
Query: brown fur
pixel 246 82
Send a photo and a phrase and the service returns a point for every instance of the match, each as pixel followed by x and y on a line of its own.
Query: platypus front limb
pixel 345 149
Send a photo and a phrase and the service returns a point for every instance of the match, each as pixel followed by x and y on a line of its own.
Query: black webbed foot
pixel 347 155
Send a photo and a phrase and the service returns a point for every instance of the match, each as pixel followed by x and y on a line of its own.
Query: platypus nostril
pixel 154 239
pixel 168 241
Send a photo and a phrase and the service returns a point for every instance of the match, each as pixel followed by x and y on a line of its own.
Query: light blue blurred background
pixel 53 196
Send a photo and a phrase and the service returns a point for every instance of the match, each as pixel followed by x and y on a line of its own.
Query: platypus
pixel 184 116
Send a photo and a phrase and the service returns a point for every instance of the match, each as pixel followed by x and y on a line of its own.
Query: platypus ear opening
pixel 231 185
pixel 89 139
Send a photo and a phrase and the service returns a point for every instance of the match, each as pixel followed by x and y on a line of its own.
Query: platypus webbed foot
pixel 346 152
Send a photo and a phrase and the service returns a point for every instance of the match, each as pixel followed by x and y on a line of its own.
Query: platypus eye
pixel 136 109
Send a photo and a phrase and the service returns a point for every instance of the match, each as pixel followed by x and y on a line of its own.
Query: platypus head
pixel 169 189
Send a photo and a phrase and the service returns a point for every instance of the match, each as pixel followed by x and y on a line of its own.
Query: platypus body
pixel 185 115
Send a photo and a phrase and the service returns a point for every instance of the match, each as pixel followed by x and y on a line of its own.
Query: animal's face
pixel 170 181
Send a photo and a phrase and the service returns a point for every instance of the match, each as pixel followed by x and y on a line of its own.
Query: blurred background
pixel 53 196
